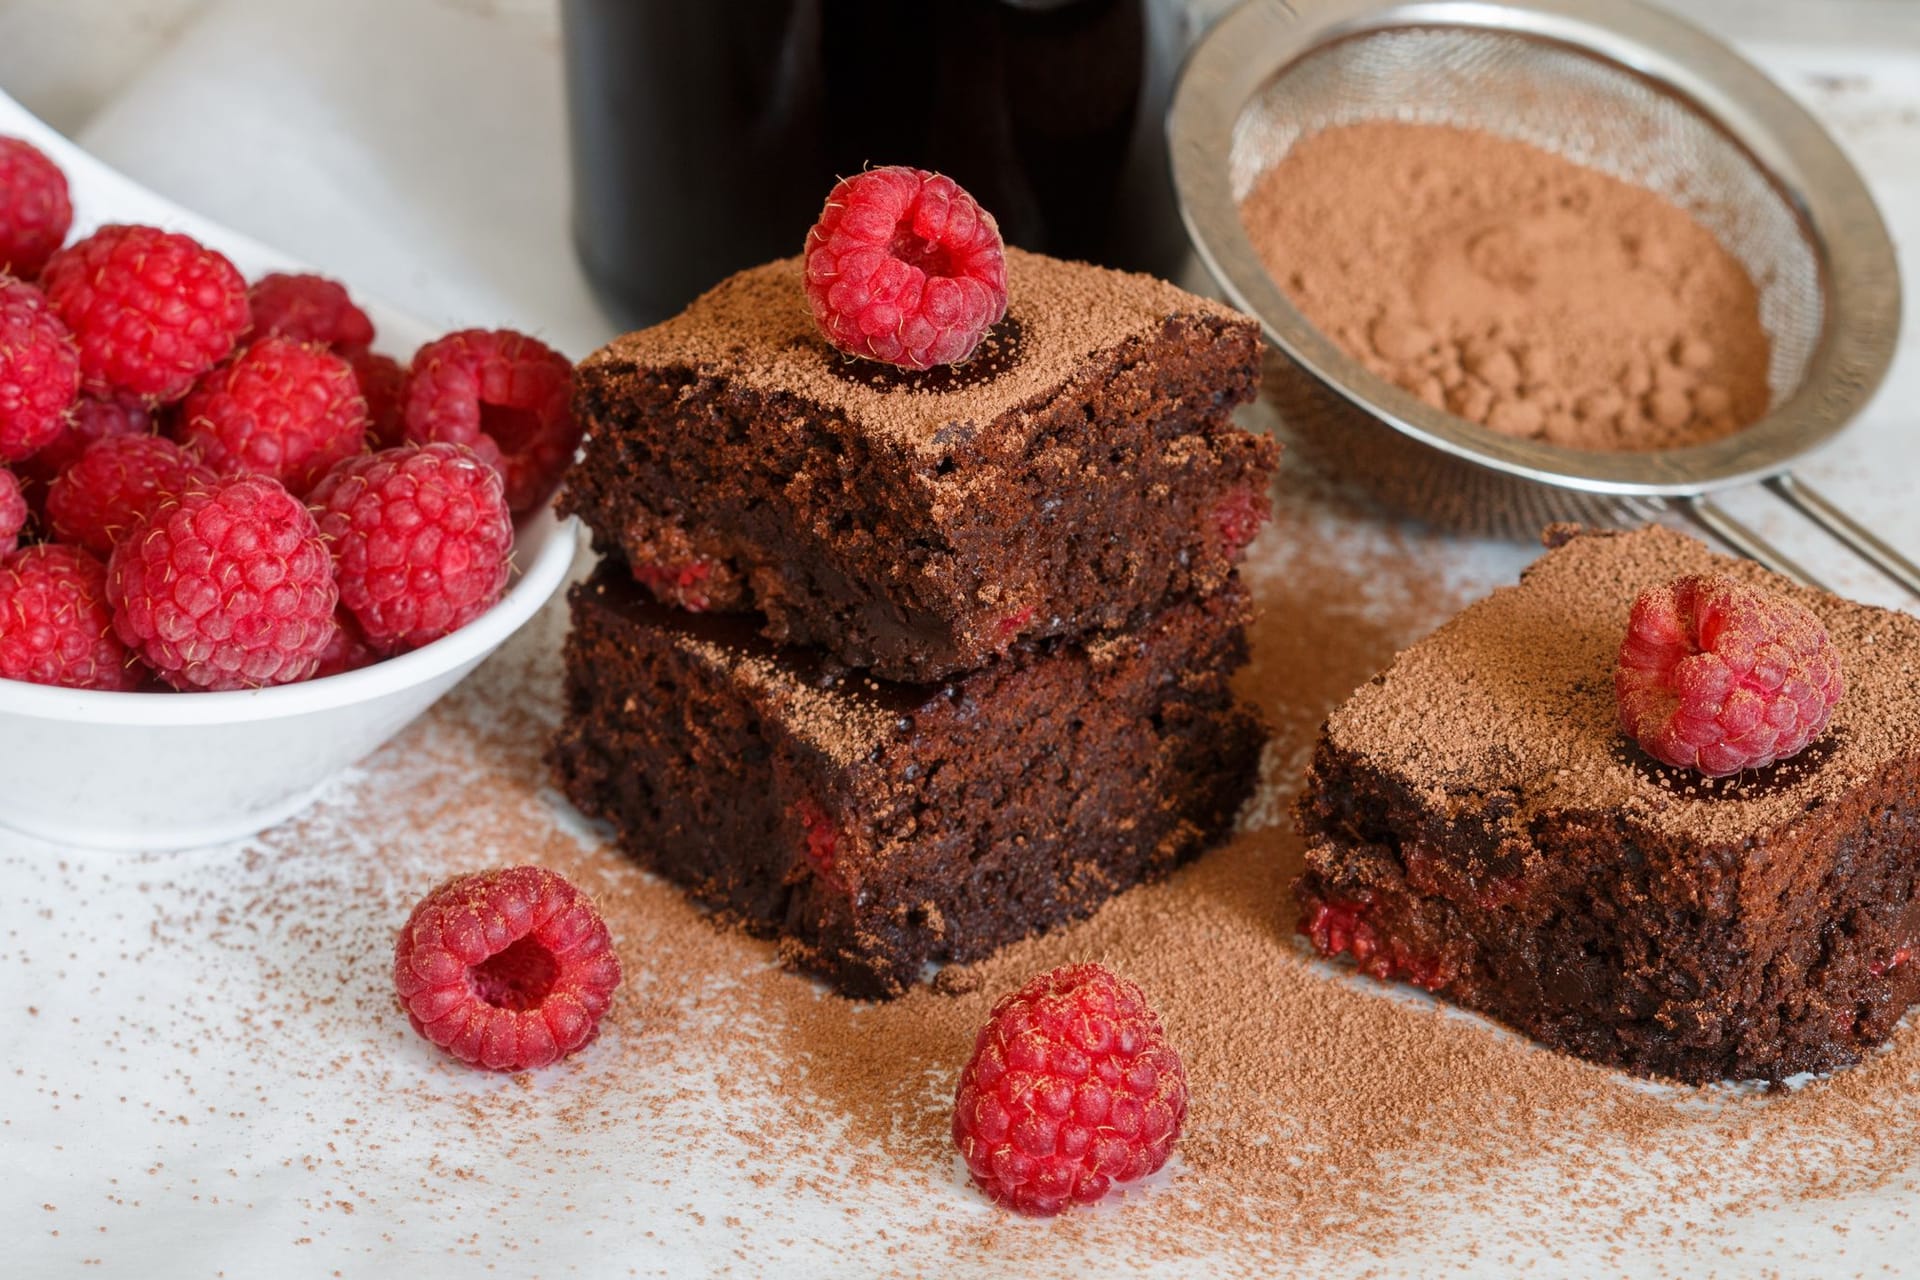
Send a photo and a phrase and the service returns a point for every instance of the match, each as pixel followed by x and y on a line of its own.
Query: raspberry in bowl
pixel 288 689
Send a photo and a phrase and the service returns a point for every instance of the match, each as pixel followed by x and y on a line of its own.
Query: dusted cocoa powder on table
pixel 1510 286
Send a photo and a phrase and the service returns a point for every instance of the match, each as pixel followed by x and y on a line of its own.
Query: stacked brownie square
pixel 900 666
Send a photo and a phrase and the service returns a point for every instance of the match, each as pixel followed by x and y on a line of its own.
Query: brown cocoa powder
pixel 1508 285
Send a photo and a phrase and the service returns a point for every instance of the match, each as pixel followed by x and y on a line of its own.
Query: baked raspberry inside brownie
pixel 873 827
pixel 1479 826
pixel 1077 473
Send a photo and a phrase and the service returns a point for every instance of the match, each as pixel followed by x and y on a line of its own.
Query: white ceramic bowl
pixel 173 770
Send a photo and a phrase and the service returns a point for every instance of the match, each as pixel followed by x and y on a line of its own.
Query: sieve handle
pixel 1709 515
pixel 1857 538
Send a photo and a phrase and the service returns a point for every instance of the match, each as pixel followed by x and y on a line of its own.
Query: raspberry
pixel 1237 519
pixel 508 969
pixel 39 371
pixel 55 627
pixel 384 384
pixel 34 209
pixel 905 267
pixel 421 540
pixel 226 587
pixel 113 486
pixel 1717 677
pixel 347 649
pixel 682 585
pixel 307 308
pixel 282 409
pixel 94 418
pixel 504 395
pixel 1072 1087
pixel 1334 927
pixel 151 310
pixel 822 841
pixel 13 512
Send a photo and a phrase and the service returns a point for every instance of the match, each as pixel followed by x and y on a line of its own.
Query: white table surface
pixel 414 149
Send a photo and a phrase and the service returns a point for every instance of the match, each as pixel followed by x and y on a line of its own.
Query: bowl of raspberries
pixel 242 541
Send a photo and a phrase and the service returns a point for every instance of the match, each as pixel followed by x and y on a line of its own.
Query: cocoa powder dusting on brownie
pixel 1337 1125
pixel 1509 285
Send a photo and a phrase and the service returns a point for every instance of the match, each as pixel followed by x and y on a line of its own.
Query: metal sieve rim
pixel 1260 39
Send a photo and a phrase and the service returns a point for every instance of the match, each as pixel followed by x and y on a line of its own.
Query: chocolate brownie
pixel 1080 471
pixel 873 827
pixel 1478 825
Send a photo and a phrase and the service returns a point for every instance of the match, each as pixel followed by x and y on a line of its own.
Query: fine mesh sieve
pixel 1611 84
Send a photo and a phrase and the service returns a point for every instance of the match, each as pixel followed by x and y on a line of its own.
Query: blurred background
pixel 418 148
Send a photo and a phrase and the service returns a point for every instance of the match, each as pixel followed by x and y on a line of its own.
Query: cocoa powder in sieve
pixel 1511 286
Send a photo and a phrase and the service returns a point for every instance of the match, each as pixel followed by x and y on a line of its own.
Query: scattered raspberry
pixel 1072 1087
pixel 34 209
pixel 39 371
pixel 1237 519
pixel 504 395
pixel 151 310
pixel 1881 968
pixel 1007 628
pixel 306 308
pixel 113 486
pixel 507 970
pixel 55 627
pixel 94 418
pixel 13 512
pixel 905 267
pixel 1334 927
pixel 283 409
pixel 347 649
pixel 384 384
pixel 227 587
pixel 421 539
pixel 1718 677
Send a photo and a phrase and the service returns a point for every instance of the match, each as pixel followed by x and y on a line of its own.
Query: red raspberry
pixel 13 512
pixel 227 587
pixel 94 418
pixel 384 383
pixel 1072 1087
pixel 504 395
pixel 55 627
pixel 422 541
pixel 347 649
pixel 507 970
pixel 39 371
pixel 151 310
pixel 34 209
pixel 1718 677
pixel 283 409
pixel 113 486
pixel 307 308
pixel 904 266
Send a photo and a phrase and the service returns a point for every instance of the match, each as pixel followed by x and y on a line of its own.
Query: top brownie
pixel 1075 475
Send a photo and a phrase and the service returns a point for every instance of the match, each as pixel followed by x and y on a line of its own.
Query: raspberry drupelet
pixel 150 310
pixel 1718 677
pixel 509 969
pixel 906 268
pixel 1071 1090
pixel 226 587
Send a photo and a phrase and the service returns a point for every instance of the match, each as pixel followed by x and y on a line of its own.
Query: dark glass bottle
pixel 706 133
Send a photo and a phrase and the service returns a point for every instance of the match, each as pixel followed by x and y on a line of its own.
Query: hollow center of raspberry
pixel 513 429
pixel 518 978
pixel 917 251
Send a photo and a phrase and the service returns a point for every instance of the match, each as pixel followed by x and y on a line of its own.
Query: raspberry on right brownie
pixel 1479 825
pixel 1077 473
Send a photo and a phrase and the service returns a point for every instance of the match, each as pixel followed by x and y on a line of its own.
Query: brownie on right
pixel 1478 824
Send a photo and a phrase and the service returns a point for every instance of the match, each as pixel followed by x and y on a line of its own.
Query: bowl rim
pixel 554 542
pixel 1257 40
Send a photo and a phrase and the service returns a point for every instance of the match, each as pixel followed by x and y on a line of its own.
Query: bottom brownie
pixel 874 827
